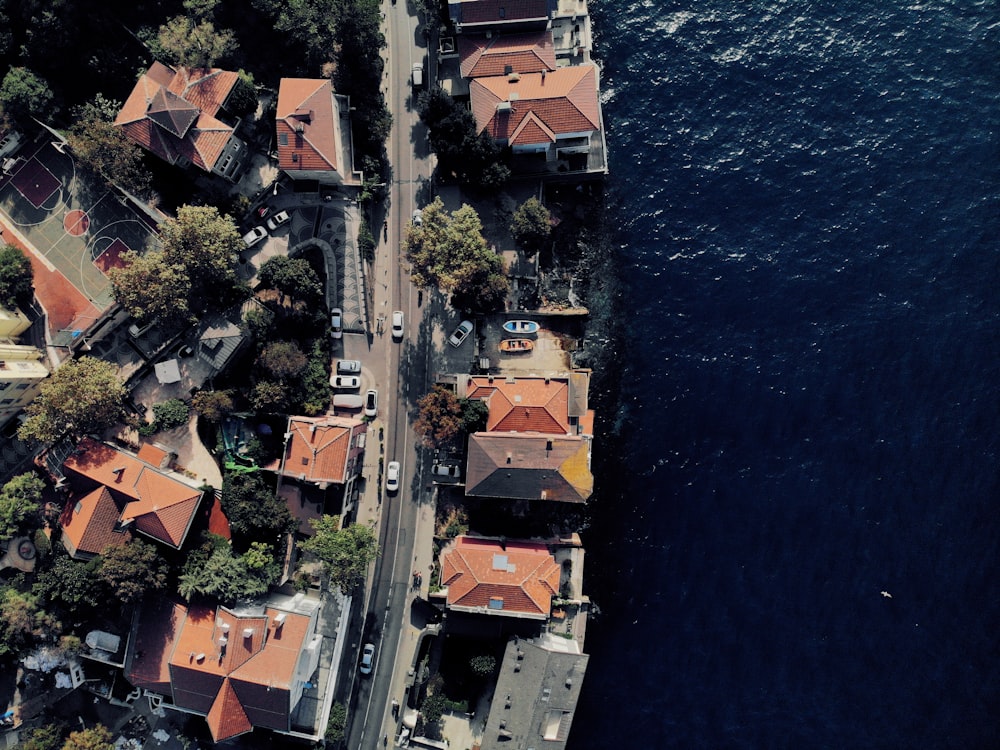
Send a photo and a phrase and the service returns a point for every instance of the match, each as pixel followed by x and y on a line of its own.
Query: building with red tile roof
pixel 177 114
pixel 521 466
pixel 323 450
pixel 493 577
pixel 117 494
pixel 240 668
pixel 555 405
pixel 309 123
pixel 497 55
pixel 539 112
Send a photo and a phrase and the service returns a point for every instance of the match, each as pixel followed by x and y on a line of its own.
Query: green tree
pixel 170 413
pixel 131 570
pixel 475 415
pixel 98 738
pixel 205 244
pixel 20 505
pixel 23 622
pixel 212 405
pixel 292 277
pixel 151 289
pixel 215 571
pixel 195 44
pixel 83 395
pixel 201 10
pixel 103 149
pixel 24 95
pixel 463 152
pixel 449 251
pixel 253 509
pixel 16 278
pixel 531 225
pixel 283 359
pixel 316 378
pixel 46 737
pixel 71 587
pixel 439 417
pixel 483 665
pixel 242 99
pixel 337 724
pixel 432 708
pixel 311 23
pixel 269 397
pixel 346 553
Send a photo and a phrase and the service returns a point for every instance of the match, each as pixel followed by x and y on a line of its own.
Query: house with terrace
pixel 323 452
pixel 538 687
pixel 314 132
pixel 496 577
pixel 180 115
pixel 246 667
pixel 115 495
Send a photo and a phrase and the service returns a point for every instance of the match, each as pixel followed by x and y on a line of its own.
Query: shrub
pixel 171 413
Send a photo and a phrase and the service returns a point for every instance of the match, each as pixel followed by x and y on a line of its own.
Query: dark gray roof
pixel 536 695
pixel 529 466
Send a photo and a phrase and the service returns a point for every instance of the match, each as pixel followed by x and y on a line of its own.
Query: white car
pixel 349 382
pixel 371 403
pixel 337 322
pixel 392 477
pixel 418 217
pixel 367 659
pixel 9 142
pixel 461 333
pixel 349 367
pixel 397 324
pixel 277 220
pixel 254 236
pixel 446 470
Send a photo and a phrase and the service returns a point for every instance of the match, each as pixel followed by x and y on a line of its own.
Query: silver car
pixel 254 236
pixel 461 333
pixel 349 367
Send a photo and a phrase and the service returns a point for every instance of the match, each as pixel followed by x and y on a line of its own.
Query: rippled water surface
pixel 809 199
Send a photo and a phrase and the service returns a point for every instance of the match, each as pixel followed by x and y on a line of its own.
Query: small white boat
pixel 521 326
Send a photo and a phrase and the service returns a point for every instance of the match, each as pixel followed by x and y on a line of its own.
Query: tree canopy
pixel 97 738
pixel 24 94
pixel 283 359
pixel 195 43
pixel 131 570
pixel 83 395
pixel 205 244
pixel 215 571
pixel 439 416
pixel 212 405
pixel 449 251
pixel 253 509
pixel 71 587
pixel 20 505
pixel 292 277
pixel 103 149
pixel 346 553
pixel 149 288
pixel 23 621
pixel 15 277
pixel 531 225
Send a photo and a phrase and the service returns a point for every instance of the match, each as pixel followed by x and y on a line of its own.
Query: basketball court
pixel 78 226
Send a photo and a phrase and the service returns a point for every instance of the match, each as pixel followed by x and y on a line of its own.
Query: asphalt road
pixel 403 380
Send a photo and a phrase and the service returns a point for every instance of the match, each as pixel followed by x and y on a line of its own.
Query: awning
pixel 167 372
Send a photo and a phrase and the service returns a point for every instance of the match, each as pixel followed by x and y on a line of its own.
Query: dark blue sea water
pixel 809 195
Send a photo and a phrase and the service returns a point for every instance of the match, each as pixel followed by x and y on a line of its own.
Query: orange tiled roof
pixel 172 114
pixel 520 577
pixel 318 448
pixel 523 404
pixel 237 671
pixel 89 523
pixel 307 125
pixel 529 467
pixel 524 53
pixel 564 101
pixel 151 454
pixel 161 507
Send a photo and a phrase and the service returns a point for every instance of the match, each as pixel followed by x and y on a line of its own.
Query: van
pixel 348 401
pixel 9 142
pixel 418 75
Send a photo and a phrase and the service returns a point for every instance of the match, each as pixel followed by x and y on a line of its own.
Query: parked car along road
pixel 277 220
pixel 392 476
pixel 345 381
pixel 254 236
pixel 461 333
pixel 371 403
pixel 367 659
pixel 397 324
pixel 349 367
pixel 337 322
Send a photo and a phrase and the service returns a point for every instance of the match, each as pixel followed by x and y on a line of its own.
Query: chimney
pixel 543 76
pixel 118 473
